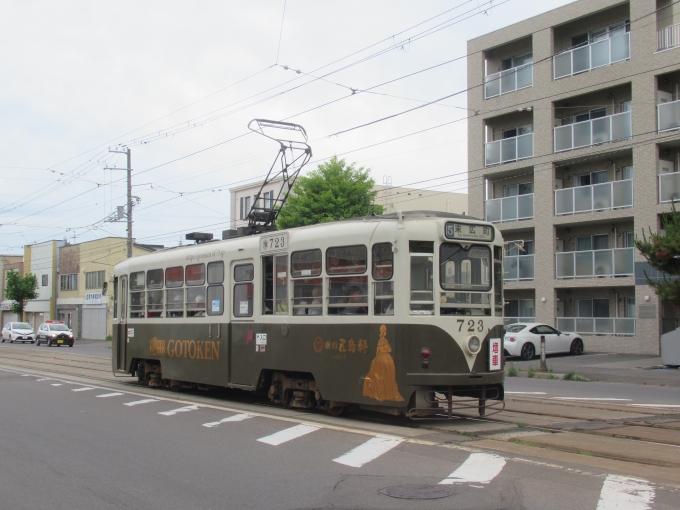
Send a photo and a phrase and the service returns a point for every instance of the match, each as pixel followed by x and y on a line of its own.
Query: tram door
pixel 122 326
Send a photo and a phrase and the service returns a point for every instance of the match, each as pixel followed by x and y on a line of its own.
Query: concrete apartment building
pixel 574 153
pixel 391 197
pixel 42 259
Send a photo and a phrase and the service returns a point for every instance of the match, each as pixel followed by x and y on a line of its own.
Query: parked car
pixel 524 340
pixel 55 333
pixel 18 332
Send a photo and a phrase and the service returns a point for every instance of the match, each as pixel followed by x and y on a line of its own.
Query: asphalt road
pixel 65 444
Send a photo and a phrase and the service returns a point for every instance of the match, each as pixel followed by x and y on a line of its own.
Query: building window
pixel 591 178
pixel 512 190
pixel 45 280
pixel 514 248
pixel 240 214
pixel 268 200
pixel 94 280
pixel 593 308
pixel 68 282
pixel 599 242
pixel 516 61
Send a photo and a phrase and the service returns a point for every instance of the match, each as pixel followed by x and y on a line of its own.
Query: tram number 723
pixel 471 325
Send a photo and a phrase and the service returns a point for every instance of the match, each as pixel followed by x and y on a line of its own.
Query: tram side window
pixel 348 295
pixel 275 285
pixel 194 276
pixel 305 263
pixel 243 292
pixel 174 295
pixel 137 295
pixel 346 260
pixel 154 296
pixel 307 292
pixel 421 298
pixel 215 288
pixel 383 269
pixel 498 280
pixel 115 298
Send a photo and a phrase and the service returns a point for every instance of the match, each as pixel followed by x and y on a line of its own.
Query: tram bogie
pixel 397 313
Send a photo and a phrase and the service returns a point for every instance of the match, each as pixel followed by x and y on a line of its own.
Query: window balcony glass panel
pixel 509 149
pixel 518 267
pixel 668 37
pixel 593 263
pixel 598 197
pixel 597 325
pixel 519 207
pixel 510 268
pixel 669 187
pixel 589 132
pixel 668 115
pixel 597 54
pixel 566 324
pixel 526 267
pixel 509 80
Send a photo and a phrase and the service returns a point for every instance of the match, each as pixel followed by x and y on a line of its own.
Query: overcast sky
pixel 171 78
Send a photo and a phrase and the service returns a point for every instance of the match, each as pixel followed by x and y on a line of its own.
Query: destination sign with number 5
pixel 469 232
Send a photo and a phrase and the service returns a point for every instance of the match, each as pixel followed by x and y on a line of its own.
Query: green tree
pixel 333 190
pixel 662 251
pixel 21 289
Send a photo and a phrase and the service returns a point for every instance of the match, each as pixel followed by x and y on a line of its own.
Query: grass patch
pixel 524 443
pixel 573 376
pixel 550 369
pixel 464 433
pixel 531 372
pixel 109 338
pixel 585 452
pixel 521 425
pixel 551 376
pixel 512 371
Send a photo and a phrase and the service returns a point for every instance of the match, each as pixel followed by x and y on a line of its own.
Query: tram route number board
pixel 272 243
pixel 469 232
pixel 495 354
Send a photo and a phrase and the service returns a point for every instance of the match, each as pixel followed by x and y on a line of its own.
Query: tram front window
pixel 466 270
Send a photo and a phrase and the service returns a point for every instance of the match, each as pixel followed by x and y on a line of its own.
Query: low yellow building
pixel 82 271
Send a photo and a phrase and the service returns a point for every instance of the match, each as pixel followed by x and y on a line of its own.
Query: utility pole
pixel 129 196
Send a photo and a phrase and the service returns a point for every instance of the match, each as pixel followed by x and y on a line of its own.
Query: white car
pixel 18 332
pixel 524 340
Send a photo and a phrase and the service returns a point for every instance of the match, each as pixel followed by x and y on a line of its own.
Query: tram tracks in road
pixel 529 420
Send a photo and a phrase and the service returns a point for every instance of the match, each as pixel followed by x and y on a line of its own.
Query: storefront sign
pixel 93 298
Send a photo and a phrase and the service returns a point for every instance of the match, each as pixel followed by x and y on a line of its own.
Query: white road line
pixel 24 375
pixel 105 395
pixel 655 405
pixel 593 398
pixel 87 388
pixel 184 409
pixel 477 468
pixel 138 402
pixel 236 417
pixel 287 434
pixel 56 384
pixel 525 393
pixel 622 493
pixel 370 450
pixel 43 379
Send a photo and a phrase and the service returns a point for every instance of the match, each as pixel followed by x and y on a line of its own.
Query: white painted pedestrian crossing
pixel 106 395
pixel 139 402
pixel 622 493
pixel 184 409
pixel 56 384
pixel 287 434
pixel 477 468
pixel 370 450
pixel 87 388
pixel 236 417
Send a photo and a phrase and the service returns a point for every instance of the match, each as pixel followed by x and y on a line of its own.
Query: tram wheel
pixel 335 411
pixel 528 351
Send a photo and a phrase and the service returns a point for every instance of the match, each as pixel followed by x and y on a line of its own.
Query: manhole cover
pixel 418 491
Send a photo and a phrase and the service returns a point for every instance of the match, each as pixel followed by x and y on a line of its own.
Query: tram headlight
pixel 473 344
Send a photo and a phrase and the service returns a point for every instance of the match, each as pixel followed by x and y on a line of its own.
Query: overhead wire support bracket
pixel 294 153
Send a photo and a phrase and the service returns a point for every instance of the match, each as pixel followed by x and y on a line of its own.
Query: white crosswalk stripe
pixel 56 384
pixel 623 493
pixel 138 402
pixel 368 451
pixel 87 388
pixel 106 395
pixel 477 468
pixel 184 409
pixel 43 379
pixel 287 434
pixel 236 417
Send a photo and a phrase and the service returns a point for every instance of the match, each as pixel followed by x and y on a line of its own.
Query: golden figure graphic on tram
pixel 381 381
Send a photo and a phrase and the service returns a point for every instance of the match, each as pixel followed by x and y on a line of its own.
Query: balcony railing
pixel 598 197
pixel 591 132
pixel 668 37
pixel 518 267
pixel 508 81
pixel 598 54
pixel 668 115
pixel 594 263
pixel 669 187
pixel 520 207
pixel 597 325
pixel 512 320
pixel 509 149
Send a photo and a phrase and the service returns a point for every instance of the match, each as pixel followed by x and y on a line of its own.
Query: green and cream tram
pixel 400 313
